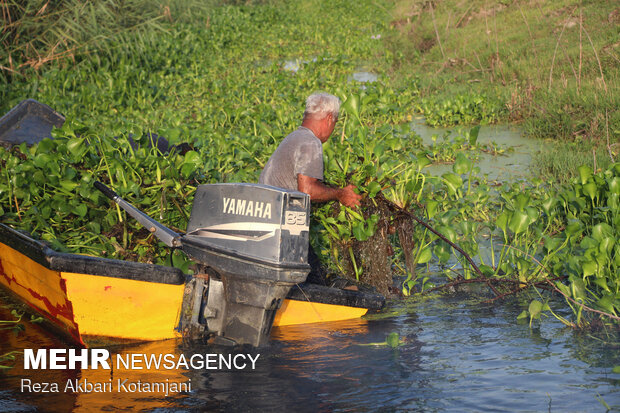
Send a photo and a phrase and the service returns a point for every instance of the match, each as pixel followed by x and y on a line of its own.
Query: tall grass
pixel 37 32
pixel 559 161
pixel 555 64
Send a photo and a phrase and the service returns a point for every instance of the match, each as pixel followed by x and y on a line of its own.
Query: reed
pixel 36 33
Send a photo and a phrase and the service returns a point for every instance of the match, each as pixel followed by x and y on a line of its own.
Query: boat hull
pixel 90 298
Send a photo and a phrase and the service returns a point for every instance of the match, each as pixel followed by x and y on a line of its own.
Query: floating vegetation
pixel 196 83
pixel 15 326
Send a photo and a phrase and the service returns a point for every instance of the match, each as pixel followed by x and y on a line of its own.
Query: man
pixel 297 163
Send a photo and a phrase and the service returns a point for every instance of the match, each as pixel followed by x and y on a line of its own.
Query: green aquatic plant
pixel 462 109
pixel 223 120
pixel 7 359
pixel 392 340
pixel 15 326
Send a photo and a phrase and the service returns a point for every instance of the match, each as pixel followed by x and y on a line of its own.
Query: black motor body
pixel 253 241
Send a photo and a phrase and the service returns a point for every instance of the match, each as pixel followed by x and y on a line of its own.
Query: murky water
pixel 458 355
pixel 362 75
pixel 513 164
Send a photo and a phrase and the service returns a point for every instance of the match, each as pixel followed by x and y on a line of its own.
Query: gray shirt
pixel 299 153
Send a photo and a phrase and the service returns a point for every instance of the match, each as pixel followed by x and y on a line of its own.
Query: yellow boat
pixel 89 298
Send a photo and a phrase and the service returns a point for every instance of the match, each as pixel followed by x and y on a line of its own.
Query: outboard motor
pixel 251 243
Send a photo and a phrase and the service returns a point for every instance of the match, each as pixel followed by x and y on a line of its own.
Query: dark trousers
pixel 318 272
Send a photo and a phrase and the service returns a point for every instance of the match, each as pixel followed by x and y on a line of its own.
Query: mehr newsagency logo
pixel 101 359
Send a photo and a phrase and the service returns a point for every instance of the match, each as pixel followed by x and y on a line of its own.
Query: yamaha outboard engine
pixel 251 242
pixel 254 241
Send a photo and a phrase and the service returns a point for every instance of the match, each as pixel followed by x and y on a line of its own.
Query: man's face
pixel 330 124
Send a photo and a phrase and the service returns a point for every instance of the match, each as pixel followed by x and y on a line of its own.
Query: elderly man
pixel 297 163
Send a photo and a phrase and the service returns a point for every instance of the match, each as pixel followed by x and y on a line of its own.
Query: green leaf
pixel 532 213
pixel 548 204
pixel 42 159
pixel 578 288
pixel 607 303
pixel 358 231
pixel 590 189
pixel 76 147
pixel 462 164
pixel 551 243
pixel 449 233
pixel 94 227
pixel 473 135
pixel 393 339
pixel 521 201
pixel 502 220
pixel 431 208
pixel 564 288
pixel 589 268
pixel 352 106
pixel 442 251
pixel 602 282
pixel 425 255
pixel 68 185
pixel 453 182
pixel 601 231
pixel 187 170
pixel 486 270
pixel 588 242
pixel 534 309
pixel 606 245
pixel 422 160
pixel 45 146
pixel 192 158
pixel 585 172
pixel 574 227
pixel 173 135
pixel 373 188
pixel 614 185
pixel 519 222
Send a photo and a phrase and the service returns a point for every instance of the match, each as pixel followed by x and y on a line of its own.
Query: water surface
pixel 515 163
pixel 458 355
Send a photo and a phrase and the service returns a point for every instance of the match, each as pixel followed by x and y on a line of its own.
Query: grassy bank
pixel 552 65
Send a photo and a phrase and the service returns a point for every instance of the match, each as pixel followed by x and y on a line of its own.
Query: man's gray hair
pixel 319 105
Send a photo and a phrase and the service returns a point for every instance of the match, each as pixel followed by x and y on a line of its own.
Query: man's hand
pixel 348 197
pixel 320 193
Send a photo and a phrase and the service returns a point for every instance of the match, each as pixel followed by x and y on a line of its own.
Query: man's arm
pixel 319 192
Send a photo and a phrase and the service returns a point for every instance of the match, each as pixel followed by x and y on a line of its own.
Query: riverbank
pixel 552 67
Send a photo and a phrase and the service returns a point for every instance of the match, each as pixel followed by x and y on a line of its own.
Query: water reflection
pixel 292 65
pixel 458 355
pixel 363 76
pixel 510 166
